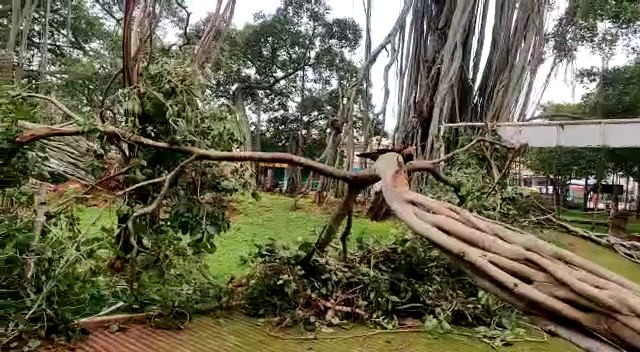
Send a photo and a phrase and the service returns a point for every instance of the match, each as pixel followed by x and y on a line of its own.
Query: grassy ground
pixel 601 220
pixel 598 254
pixel 271 217
pixel 92 219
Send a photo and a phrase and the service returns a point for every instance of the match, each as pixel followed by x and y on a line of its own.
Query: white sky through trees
pixel 384 14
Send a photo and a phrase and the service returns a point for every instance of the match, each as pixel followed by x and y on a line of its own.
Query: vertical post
pixel 637 179
pixel 626 196
pixel 585 194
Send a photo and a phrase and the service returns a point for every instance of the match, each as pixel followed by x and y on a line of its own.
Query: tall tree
pixel 289 64
pixel 446 80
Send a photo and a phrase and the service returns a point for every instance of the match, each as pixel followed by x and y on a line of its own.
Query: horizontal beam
pixel 621 133
pixel 545 123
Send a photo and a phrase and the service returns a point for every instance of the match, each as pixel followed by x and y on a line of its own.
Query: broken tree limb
pixel 363 178
pixel 628 249
pixel 519 264
pixel 331 229
pixel 346 233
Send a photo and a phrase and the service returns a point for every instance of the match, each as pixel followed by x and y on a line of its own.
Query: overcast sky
pixel 383 16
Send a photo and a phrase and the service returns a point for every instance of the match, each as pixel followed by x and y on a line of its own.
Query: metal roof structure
pixel 623 133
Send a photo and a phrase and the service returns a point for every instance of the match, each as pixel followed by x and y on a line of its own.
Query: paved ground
pixel 240 333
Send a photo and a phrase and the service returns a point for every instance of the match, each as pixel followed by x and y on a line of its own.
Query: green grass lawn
pixel 600 255
pixel 92 219
pixel 576 217
pixel 271 217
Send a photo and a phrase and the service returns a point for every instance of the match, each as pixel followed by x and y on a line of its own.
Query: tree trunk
pixel 69 9
pixel 243 120
pixel 293 172
pixel 44 48
pixel 271 182
pixel 258 146
pixel 638 192
pixel 335 140
pixel 27 14
pixel 366 118
pixel 15 27
pixel 556 195
pixel 349 150
pixel 615 202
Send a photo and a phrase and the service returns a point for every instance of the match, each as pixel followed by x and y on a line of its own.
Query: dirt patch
pixel 233 211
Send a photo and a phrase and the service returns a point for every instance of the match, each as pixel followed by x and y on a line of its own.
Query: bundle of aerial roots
pixel 564 293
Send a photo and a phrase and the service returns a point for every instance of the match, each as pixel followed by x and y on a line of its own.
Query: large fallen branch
pixel 363 178
pixel 546 280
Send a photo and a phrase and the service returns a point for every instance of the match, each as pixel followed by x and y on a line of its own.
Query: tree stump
pixel 618 224
pixel 379 210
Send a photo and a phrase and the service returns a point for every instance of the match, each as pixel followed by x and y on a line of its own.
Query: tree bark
pixel 258 139
pixel 518 262
pixel 366 117
pixel 15 27
pixel 69 24
pixel 331 229
pixel 29 9
pixel 243 120
pixel 626 195
pixel 44 48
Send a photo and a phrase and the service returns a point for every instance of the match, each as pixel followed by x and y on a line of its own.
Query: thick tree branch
pixel 346 233
pixel 363 178
pixel 331 229
pixel 185 29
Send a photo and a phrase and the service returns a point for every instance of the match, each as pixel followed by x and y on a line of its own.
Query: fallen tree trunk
pixel 516 265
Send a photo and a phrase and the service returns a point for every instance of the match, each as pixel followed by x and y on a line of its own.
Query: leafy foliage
pixel 597 24
pixel 388 284
pixel 171 106
pixel 71 277
pixel 309 57
pixel 620 90
pixel 479 191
